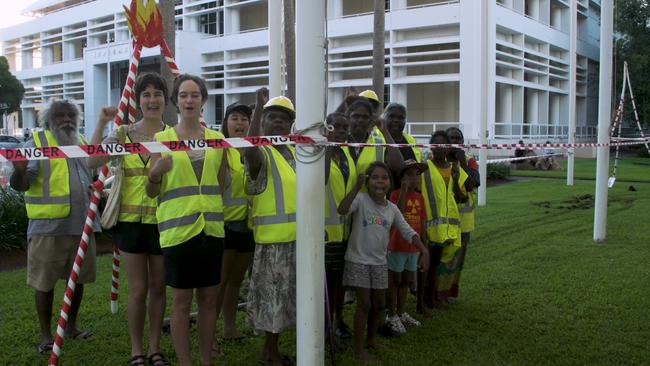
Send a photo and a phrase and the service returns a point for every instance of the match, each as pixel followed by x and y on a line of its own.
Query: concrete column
pixel 573 35
pixel 471 31
pixel 505 104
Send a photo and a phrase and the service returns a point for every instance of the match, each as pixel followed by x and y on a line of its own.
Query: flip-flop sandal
pixel 44 348
pixel 158 359
pixel 81 335
pixel 137 360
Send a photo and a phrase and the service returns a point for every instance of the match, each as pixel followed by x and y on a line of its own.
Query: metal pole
pixel 604 113
pixel 483 153
pixel 275 47
pixel 573 48
pixel 310 182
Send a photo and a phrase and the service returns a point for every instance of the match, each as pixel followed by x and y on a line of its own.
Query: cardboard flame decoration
pixel 145 23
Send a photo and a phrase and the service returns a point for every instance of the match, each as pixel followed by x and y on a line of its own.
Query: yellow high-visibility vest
pixel 335 190
pixel 416 151
pixel 186 207
pixel 442 217
pixel 370 154
pixel 49 196
pixel 467 212
pixel 235 200
pixel 274 210
pixel 135 205
pixel 467 220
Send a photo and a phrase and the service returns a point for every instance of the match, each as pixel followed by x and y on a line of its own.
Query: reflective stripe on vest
pixel 186 206
pixel 234 199
pixel 274 209
pixel 416 151
pixel 49 196
pixel 135 205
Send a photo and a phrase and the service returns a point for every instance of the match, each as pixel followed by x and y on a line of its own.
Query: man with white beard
pixel 56 198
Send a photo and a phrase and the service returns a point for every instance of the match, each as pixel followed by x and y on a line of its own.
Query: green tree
pixel 11 89
pixel 633 45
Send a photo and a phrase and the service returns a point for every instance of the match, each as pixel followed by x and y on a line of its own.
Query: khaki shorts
pixel 50 258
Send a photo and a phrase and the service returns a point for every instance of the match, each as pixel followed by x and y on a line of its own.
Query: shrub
pixel 13 219
pixel 498 171
pixel 643 152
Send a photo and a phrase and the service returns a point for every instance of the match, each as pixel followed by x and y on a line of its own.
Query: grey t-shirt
pixel 80 179
pixel 371 225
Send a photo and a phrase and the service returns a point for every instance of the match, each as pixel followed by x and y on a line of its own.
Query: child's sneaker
pixel 409 320
pixel 395 324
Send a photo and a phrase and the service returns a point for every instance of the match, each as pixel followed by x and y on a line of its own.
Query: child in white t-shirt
pixel 365 259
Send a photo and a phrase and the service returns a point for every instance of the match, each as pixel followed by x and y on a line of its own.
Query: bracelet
pixel 152 182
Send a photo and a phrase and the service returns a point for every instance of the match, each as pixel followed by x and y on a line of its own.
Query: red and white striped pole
pixel 169 58
pixel 124 105
pixel 115 279
pixel 98 185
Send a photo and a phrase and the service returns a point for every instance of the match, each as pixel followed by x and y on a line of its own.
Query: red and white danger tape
pixel 85 151
pixel 507 160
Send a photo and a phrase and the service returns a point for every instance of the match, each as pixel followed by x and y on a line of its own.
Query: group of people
pixel 196 221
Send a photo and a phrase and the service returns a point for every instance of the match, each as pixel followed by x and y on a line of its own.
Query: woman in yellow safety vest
pixel 394 117
pixel 239 243
pixel 441 190
pixel 136 233
pixel 190 219
pixel 359 113
pixel 271 181
pixel 447 286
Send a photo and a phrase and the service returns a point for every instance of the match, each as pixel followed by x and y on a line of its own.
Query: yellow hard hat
pixel 371 95
pixel 283 103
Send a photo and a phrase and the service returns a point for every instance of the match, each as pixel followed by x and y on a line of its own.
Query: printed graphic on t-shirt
pixel 413 209
pixel 376 220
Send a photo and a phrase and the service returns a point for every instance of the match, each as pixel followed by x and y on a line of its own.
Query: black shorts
pixel 238 241
pixel 137 238
pixel 335 256
pixel 195 263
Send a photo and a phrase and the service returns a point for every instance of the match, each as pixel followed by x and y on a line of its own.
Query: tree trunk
pixel 169 33
pixel 289 9
pixel 378 44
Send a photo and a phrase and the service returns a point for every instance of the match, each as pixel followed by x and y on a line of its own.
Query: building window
pixel 210 5
pixel 208 23
pixel 218 109
pixel 387 5
pixel 178 16
pixel 220 23
pixel 386 94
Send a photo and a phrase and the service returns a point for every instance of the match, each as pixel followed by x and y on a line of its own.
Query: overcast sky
pixel 10 12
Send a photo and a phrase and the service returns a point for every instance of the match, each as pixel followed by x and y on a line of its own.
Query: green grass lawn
pixel 536 290
pixel 629 169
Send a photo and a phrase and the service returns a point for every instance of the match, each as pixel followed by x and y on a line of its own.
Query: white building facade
pixel 80 50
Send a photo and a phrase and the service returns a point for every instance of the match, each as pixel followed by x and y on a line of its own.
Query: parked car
pixel 9 142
